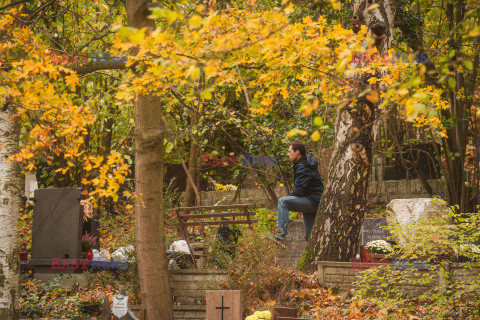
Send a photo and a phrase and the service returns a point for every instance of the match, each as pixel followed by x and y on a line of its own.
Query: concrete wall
pixel 294 245
pixel 189 286
pixel 380 192
pixel 341 275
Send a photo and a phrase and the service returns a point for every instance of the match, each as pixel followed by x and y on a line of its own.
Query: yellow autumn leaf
pixel 373 97
pixel 475 32
pixel 292 132
pixel 71 81
pixel 289 9
pixel 137 36
pixel 315 136
pixel 194 73
pixel 336 4
pixel 307 110
pixel 302 132
pixel 195 21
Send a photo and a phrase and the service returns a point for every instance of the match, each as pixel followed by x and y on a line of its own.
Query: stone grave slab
pixel 224 304
pixel 371 230
pixel 408 211
pixel 57 227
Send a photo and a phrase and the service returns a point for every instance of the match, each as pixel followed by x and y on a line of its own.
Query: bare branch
pixel 106 33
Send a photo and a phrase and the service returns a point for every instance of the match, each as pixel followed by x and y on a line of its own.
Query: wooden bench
pixel 212 215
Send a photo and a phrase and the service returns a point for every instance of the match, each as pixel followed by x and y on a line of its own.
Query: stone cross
pixel 224 305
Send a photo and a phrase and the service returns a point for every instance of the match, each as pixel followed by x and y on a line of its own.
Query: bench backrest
pixel 213 215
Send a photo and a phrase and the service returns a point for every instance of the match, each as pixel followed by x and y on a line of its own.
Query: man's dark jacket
pixel 307 180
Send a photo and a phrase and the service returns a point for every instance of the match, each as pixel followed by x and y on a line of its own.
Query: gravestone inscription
pixel 372 230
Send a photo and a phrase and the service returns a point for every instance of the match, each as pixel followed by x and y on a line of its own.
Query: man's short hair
pixel 298 145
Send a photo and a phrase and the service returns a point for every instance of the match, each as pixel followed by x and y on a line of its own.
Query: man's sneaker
pixel 280 239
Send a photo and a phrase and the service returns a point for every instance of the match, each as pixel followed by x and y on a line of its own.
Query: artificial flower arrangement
pixel 88 242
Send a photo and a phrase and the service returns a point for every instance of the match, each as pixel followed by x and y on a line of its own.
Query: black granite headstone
pixel 57 226
pixel 371 230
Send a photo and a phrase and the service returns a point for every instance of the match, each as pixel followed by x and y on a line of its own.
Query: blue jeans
pixel 297 204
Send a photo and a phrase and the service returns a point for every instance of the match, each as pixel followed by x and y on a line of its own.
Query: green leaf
pixel 414 82
pixel 469 65
pixel 318 121
pixel 169 147
pixel 452 82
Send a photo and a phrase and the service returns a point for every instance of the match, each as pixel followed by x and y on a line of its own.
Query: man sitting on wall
pixel 308 189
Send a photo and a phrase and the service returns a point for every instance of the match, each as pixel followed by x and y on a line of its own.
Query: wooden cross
pixel 222 308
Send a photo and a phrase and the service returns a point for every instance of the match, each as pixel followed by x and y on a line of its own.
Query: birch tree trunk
pixel 9 209
pixel 149 165
pixel 341 210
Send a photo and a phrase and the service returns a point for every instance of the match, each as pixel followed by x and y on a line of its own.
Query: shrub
pixel 450 285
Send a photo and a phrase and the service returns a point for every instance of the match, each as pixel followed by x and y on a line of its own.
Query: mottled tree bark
pixel 149 163
pixel 342 208
pixel 9 209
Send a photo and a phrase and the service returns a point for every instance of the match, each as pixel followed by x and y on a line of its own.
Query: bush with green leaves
pixel 436 274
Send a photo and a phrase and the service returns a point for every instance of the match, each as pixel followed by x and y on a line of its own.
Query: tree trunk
pixel 190 196
pixel 149 223
pixel 149 163
pixel 341 210
pixel 9 209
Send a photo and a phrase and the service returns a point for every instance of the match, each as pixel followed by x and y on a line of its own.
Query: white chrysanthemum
pixel 469 247
pixel 379 246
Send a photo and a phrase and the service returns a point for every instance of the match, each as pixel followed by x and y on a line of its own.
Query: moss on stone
pixel 305 259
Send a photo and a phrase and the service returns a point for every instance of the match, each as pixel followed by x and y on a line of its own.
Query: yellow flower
pixel 263 315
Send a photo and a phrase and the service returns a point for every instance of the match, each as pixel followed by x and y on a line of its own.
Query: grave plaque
pixel 120 305
pixel 372 230
pixel 224 305
pixel 57 227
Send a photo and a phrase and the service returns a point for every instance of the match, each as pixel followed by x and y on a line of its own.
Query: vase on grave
pixel 23 255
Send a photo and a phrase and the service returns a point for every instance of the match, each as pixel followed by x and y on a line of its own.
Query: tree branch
pixel 12 4
pixel 97 66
